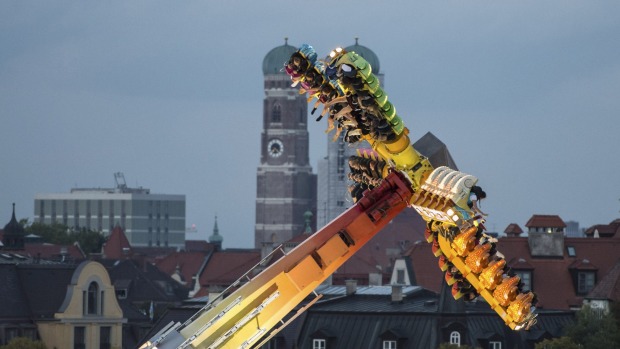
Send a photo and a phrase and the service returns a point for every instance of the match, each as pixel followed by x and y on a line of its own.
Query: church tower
pixel 286 186
pixel 14 234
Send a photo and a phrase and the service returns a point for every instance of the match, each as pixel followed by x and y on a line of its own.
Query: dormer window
pixel 455 338
pixel 390 344
pixel 393 338
pixel 323 339
pixel 121 294
pixel 526 279
pixel 495 345
pixel 585 282
pixel 319 343
pixel 92 300
pixel 583 273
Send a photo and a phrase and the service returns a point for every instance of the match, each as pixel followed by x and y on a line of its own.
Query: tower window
pixel 276 113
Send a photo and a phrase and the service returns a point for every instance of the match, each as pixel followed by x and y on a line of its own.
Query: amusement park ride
pixel 386 180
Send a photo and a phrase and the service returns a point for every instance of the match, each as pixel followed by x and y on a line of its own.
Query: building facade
pixel 147 219
pixel 78 308
pixel 286 186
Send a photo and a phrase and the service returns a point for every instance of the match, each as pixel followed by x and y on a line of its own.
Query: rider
pixel 475 195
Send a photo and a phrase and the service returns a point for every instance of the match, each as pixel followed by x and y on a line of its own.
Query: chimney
pixel 397 293
pixel 351 286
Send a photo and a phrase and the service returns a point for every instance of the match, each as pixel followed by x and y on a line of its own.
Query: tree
pixel 23 343
pixel 90 241
pixel 593 331
pixel 558 343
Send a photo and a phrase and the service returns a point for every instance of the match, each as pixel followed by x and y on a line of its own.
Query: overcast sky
pixel 525 94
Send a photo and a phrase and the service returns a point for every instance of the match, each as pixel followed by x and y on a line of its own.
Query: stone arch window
pixel 276 113
pixel 93 299
pixel 455 338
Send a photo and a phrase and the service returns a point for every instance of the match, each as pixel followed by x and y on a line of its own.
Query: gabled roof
pixel 148 282
pixel 386 246
pixel 117 246
pixel 545 221
pixel 605 230
pixel 198 246
pixel 609 287
pixel 55 252
pixel 436 151
pixel 513 229
pixel 225 267
pixel 14 302
pixel 425 266
pixel 552 279
pixel 359 321
pixel 187 263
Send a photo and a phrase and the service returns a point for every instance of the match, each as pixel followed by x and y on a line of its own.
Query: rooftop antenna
pixel 119 177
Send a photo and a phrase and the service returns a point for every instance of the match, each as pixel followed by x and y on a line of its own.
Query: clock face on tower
pixel 275 147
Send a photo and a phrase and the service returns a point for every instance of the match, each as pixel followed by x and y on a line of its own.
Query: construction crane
pixel 386 179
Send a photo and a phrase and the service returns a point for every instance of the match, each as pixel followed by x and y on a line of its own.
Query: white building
pixel 147 219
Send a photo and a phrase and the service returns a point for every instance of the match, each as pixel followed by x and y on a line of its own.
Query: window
pixel 400 276
pixel 585 281
pixel 571 251
pixel 389 344
pixel 10 333
pixel 30 333
pixel 79 336
pixel 495 345
pixel 104 337
pixel 319 344
pixel 526 279
pixel 455 338
pixel 91 299
pixel 276 113
pixel 302 116
pixel 121 293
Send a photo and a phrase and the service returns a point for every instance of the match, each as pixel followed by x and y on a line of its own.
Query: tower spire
pixel 216 238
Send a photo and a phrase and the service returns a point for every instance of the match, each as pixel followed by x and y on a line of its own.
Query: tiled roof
pixel 425 266
pixel 385 290
pixel 117 246
pixel 436 151
pixel 188 263
pixel 545 221
pixel 609 287
pixel 605 230
pixel 225 267
pixel 53 278
pixel 360 321
pixel 552 280
pixel 14 301
pixel 386 246
pixel 148 282
pixel 54 252
pixel 513 229
pixel 198 246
